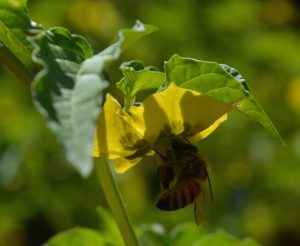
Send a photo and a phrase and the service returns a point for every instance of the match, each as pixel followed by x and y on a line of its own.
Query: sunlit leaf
pixel 77 237
pixel 69 89
pixel 14 23
pixel 137 79
pixel 221 82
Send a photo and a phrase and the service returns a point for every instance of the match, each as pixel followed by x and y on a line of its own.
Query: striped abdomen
pixel 179 196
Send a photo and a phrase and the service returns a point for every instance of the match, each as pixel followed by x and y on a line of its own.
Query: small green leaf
pixel 138 81
pixel 14 24
pixel 77 237
pixel 135 81
pixel 137 65
pixel 68 91
pixel 221 82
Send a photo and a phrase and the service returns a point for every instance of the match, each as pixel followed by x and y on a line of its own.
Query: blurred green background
pixel 256 181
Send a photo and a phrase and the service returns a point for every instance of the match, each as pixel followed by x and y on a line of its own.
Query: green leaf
pixel 186 234
pixel 221 82
pixel 136 65
pixel 108 235
pixel 124 39
pixel 138 81
pixel 135 81
pixel 68 91
pixel 222 238
pixel 127 36
pixel 14 25
pixel 153 234
pixel 189 234
pixel 60 96
pixel 77 237
pixel 109 227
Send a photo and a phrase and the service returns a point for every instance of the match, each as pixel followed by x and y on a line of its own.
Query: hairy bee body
pixel 187 171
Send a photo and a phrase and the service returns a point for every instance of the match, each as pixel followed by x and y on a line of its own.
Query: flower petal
pixel 123 164
pixel 177 111
pixel 115 137
pixel 209 130
pixel 202 114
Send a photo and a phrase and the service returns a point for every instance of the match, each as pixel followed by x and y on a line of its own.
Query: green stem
pixel 115 201
pixel 15 66
pixel 129 100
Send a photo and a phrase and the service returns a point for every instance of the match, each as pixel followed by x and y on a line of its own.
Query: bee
pixel 184 178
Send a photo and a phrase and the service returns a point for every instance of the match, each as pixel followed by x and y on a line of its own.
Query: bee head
pixel 183 145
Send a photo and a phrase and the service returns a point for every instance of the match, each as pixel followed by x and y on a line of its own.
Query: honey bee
pixel 184 178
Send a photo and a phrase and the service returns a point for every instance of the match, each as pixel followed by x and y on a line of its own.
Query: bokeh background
pixel 256 181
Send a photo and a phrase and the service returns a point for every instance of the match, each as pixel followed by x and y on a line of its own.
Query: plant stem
pixel 15 66
pixel 115 201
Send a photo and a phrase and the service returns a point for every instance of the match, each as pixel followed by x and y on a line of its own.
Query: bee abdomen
pixel 179 196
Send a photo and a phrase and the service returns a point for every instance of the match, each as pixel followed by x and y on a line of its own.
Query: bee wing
pixel 208 189
pixel 202 202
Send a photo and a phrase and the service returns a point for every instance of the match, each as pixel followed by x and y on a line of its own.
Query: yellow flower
pixel 127 137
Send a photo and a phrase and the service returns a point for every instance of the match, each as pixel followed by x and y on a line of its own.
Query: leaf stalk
pixel 115 201
pixel 15 66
